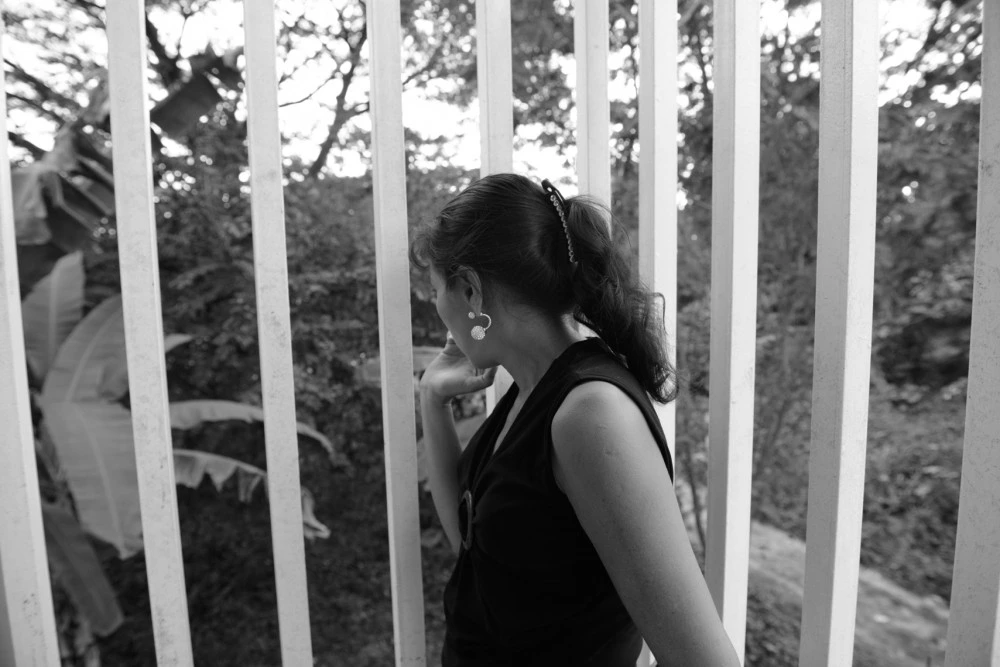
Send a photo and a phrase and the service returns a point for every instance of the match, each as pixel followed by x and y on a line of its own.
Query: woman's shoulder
pixel 596 402
pixel 598 380
pixel 600 432
pixel 607 413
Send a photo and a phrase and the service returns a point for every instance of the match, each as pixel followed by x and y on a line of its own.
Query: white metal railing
pixel 974 630
pixel 658 168
pixel 732 348
pixel 395 337
pixel 496 124
pixel 658 129
pixel 127 81
pixel 844 283
pixel 27 620
pixel 848 127
pixel 274 332
pixel 593 112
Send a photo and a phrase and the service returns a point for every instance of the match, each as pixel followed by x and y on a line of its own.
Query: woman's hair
pixel 506 229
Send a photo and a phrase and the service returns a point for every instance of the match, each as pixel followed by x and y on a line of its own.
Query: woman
pixel 571 546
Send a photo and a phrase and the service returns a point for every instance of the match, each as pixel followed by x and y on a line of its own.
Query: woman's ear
pixel 471 288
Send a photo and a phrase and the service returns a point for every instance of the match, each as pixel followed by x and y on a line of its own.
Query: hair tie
pixel 560 204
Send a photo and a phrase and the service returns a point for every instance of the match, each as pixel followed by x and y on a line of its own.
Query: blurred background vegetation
pixel 54 64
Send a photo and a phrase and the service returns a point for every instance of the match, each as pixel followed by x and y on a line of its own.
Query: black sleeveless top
pixel 529 587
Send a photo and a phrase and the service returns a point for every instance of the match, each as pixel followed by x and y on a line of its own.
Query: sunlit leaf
pixel 51 311
pixel 83 361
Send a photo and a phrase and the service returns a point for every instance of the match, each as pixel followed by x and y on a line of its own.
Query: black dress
pixel 529 587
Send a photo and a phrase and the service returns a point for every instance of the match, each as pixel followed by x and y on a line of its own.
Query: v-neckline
pixel 500 441
pixel 505 429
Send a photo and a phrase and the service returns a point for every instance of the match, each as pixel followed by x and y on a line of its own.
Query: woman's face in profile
pixel 450 309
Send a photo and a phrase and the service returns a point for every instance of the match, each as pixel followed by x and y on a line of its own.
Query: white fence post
pixel 496 86
pixel 658 169
pixel 658 180
pixel 140 279
pixel 974 627
pixel 27 621
pixel 275 334
pixel 496 113
pixel 395 336
pixel 735 201
pixel 844 285
pixel 591 25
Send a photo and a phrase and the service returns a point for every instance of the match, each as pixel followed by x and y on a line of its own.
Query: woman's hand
pixel 451 374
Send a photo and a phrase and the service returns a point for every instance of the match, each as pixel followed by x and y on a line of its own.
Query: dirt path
pixel 898 628
pixel 894 628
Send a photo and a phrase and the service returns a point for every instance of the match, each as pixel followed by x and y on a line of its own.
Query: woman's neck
pixel 532 346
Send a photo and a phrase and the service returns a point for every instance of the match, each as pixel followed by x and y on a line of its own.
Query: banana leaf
pixel 51 311
pixel 78 570
pixel 189 414
pixel 95 447
pixel 114 385
pixel 93 364
pixel 97 455
pixel 191 467
pixel 28 187
pixel 52 206
pixel 311 526
pixel 82 363
pixel 170 341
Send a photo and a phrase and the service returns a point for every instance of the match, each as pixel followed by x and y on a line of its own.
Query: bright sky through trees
pixel 219 24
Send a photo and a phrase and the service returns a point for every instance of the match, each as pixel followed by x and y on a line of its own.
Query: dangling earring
pixel 478 332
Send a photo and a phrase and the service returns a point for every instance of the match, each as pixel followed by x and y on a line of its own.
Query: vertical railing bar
pixel 496 113
pixel 593 110
pixel 974 626
pixel 395 336
pixel 848 150
pixel 140 281
pixel 496 86
pixel 735 178
pixel 274 333
pixel 26 610
pixel 658 128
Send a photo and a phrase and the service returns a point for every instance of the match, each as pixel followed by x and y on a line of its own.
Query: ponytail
pixel 557 255
pixel 612 301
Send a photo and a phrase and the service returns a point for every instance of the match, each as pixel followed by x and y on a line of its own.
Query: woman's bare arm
pixel 450 374
pixel 609 466
pixel 442 450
